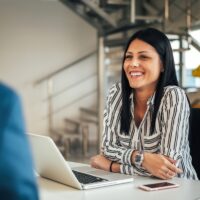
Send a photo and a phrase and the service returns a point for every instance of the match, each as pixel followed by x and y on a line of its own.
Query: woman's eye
pixel 144 57
pixel 128 57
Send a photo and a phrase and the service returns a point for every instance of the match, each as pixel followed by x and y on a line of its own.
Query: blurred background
pixel 62 56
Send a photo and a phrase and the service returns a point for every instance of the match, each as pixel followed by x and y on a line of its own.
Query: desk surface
pixel 188 190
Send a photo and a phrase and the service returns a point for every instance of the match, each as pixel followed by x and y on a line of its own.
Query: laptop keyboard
pixel 86 178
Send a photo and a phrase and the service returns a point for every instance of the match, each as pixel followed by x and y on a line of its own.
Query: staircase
pixel 71 91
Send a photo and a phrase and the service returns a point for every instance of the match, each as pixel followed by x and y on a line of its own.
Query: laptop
pixel 50 164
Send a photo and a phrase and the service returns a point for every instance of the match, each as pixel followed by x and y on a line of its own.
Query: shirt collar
pixel 151 99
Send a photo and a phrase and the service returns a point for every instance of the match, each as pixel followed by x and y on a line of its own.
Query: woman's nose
pixel 135 63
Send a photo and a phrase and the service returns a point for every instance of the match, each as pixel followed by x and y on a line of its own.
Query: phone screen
pixel 156 185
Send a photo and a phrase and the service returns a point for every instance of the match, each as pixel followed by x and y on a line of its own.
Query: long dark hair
pixel 162 45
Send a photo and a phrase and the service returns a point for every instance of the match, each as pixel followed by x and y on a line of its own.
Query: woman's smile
pixel 136 74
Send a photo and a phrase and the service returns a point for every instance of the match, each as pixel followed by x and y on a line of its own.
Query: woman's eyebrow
pixel 130 52
pixel 143 52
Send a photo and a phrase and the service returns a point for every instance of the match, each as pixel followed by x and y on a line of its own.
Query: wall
pixel 38 37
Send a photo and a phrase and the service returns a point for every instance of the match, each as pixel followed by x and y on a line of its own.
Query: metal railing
pixel 50 85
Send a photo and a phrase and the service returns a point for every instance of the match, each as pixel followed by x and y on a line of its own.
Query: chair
pixel 194 139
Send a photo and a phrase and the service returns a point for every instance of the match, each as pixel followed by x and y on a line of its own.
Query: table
pixel 188 190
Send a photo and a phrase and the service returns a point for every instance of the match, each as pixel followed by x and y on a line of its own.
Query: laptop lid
pixel 49 163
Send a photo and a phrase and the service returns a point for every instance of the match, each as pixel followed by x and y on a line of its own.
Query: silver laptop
pixel 49 163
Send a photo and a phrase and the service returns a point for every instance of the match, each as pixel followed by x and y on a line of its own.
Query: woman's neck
pixel 141 97
pixel 140 105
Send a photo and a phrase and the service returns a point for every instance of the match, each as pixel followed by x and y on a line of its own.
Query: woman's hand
pixel 160 166
pixel 100 162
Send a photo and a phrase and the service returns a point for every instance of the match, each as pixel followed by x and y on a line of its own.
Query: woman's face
pixel 142 66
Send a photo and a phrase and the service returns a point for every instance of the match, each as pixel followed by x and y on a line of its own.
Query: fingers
pixel 173 165
pixel 174 169
pixel 170 174
pixel 168 171
pixel 166 174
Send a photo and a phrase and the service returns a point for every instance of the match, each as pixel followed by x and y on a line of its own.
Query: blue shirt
pixel 17 180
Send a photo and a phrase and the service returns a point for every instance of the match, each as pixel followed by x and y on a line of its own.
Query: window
pixel 192 61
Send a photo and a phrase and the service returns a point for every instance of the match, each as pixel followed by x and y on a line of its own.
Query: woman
pixel 146 121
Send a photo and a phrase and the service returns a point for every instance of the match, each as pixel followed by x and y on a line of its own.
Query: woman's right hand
pixel 100 162
pixel 160 166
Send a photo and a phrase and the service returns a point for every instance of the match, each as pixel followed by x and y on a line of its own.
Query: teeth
pixel 136 73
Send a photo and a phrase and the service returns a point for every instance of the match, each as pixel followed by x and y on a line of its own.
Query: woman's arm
pixel 155 163
pixel 111 147
pixel 175 122
pixel 101 162
pixel 175 119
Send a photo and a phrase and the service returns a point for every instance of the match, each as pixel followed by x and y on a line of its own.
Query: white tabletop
pixel 188 190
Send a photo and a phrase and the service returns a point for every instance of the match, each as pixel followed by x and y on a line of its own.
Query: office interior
pixel 62 56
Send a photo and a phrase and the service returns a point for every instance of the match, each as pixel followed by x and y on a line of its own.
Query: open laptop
pixel 49 163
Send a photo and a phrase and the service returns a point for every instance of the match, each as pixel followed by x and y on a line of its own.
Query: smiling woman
pixel 146 120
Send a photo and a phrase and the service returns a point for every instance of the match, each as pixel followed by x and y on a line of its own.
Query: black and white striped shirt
pixel 170 137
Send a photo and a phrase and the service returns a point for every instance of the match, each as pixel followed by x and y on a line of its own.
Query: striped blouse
pixel 170 136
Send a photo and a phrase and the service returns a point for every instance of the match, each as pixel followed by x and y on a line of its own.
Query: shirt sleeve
pixel 175 123
pixel 111 147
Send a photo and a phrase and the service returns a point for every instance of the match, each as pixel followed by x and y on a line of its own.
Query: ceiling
pixel 116 20
pixel 113 16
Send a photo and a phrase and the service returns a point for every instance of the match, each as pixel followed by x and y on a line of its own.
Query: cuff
pixel 126 157
pixel 125 169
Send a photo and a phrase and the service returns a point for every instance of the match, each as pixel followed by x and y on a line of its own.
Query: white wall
pixel 38 37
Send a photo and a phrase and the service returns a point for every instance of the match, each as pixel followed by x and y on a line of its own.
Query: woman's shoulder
pixel 174 90
pixel 115 88
pixel 115 91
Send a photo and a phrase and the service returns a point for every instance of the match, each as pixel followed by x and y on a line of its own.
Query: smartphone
pixel 158 186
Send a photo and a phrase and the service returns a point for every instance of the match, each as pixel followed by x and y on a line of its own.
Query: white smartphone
pixel 158 186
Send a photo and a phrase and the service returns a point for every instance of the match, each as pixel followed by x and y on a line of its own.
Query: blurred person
pixel 17 180
pixel 146 120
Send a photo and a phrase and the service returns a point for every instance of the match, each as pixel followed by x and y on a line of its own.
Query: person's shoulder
pixel 7 94
pixel 114 92
pixel 115 89
pixel 173 89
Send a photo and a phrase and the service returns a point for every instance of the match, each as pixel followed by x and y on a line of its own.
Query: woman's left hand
pixel 160 166
pixel 100 162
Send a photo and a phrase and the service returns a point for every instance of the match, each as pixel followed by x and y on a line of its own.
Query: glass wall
pixel 192 61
